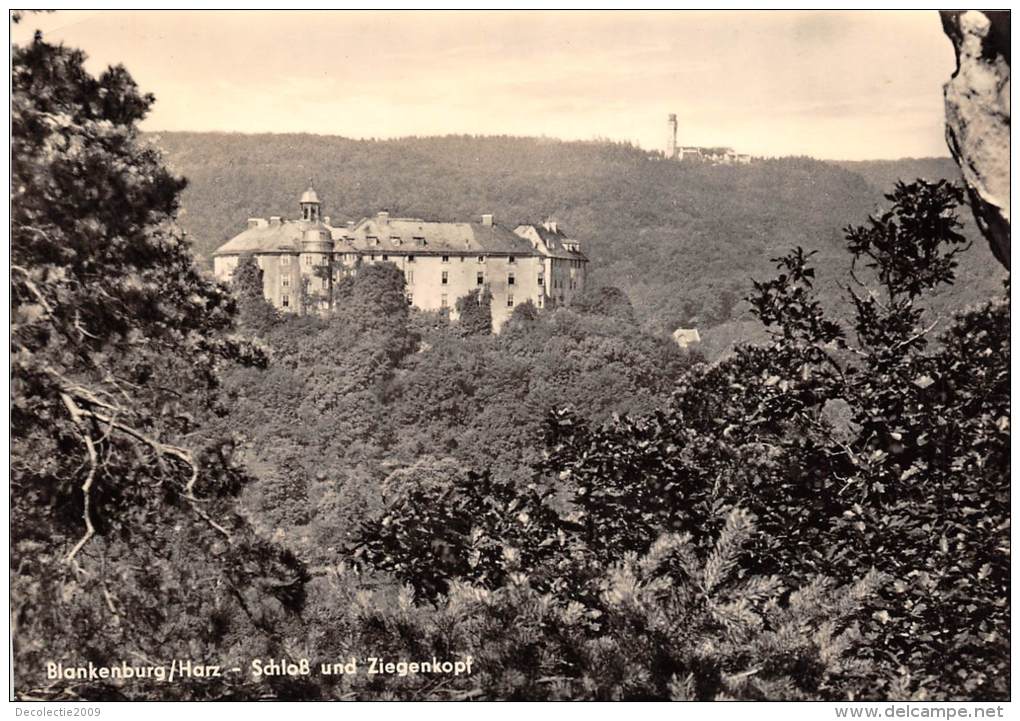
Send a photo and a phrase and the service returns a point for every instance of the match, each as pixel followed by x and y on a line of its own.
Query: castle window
pixel 385 257
pixel 541 279
pixel 510 301
pixel 480 278
pixel 510 259
pixel 325 260
pixel 395 240
pixel 410 259
pixel 286 281
pixel 420 241
pixel 409 275
pixel 286 301
pixel 325 283
pixel 374 240
pixel 372 256
pixel 540 301
pixel 284 260
pixel 308 260
pixel 442 301
pixel 446 277
pixel 481 259
pixel 446 259
pixel 510 279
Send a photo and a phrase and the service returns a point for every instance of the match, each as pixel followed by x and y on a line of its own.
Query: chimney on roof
pixel 325 220
pixel 350 225
pixel 487 219
pixel 383 216
pixel 274 219
pixel 256 222
pixel 552 226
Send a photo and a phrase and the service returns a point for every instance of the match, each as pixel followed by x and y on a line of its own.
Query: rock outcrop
pixel 977 117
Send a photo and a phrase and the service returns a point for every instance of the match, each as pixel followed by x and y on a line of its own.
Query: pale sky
pixel 837 85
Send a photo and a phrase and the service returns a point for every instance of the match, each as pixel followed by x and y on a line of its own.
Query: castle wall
pixel 506 297
pixel 281 280
pixel 566 280
pixel 427 290
pixel 223 267
pixel 546 282
pixel 315 277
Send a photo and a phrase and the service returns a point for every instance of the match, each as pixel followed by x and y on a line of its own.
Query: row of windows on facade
pixel 444 302
pixel 512 260
pixel 409 276
pixel 417 241
pixel 479 280
pixel 285 282
pixel 324 259
pixel 423 243
pixel 511 279
pixel 396 240
pixel 445 258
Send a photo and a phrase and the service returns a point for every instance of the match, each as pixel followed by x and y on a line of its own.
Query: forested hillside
pixel 681 240
pixel 576 507
pixel 884 173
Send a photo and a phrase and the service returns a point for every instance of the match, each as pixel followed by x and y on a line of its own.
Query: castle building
pixel 302 259
pixel 563 263
pixel 688 153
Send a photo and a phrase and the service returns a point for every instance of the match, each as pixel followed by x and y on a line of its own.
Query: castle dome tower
pixel 316 259
pixel 315 236
pixel 310 206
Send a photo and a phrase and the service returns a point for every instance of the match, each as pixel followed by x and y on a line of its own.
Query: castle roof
pixel 554 242
pixel 309 196
pixel 405 236
pixel 276 236
pixel 417 236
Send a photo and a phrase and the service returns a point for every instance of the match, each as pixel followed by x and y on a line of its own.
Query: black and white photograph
pixel 492 355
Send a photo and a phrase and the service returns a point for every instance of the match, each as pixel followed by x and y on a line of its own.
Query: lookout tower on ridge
pixel 671 142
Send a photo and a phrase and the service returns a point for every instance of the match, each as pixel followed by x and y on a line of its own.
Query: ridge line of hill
pixel 682 240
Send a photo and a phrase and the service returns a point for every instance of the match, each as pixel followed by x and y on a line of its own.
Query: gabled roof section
pixel 554 243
